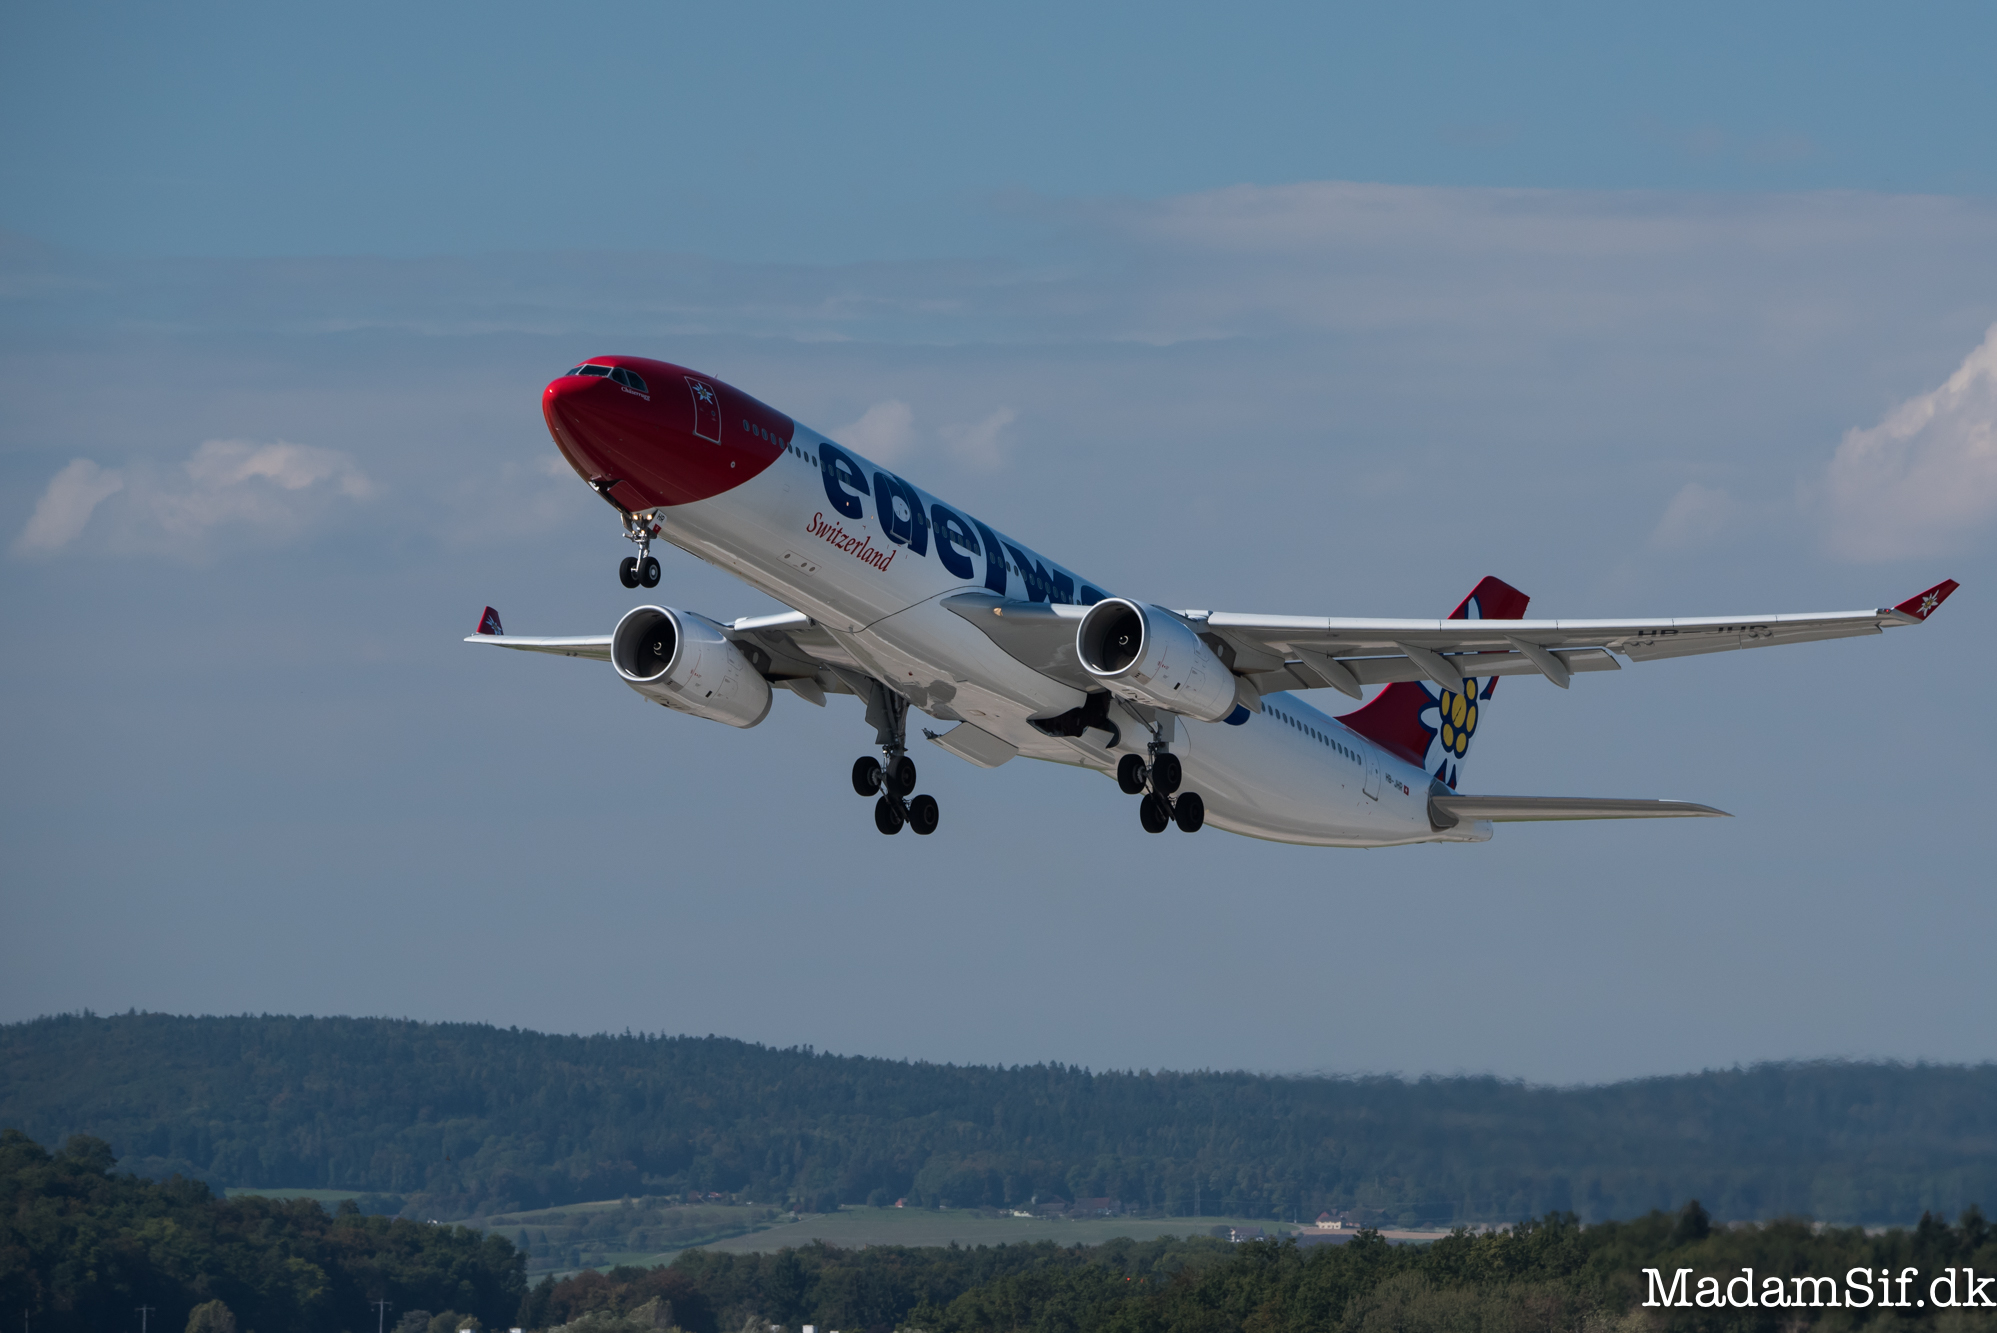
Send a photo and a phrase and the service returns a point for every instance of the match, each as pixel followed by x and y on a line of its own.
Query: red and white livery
pixel 918 606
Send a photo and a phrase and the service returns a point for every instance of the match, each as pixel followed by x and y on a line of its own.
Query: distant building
pixel 1331 1221
pixel 901 1203
pixel 1240 1234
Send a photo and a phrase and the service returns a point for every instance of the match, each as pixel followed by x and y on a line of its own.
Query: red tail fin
pixel 489 622
pixel 1420 723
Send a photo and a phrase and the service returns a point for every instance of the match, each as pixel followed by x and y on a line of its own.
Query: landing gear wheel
pixel 887 815
pixel 1190 812
pixel 627 571
pixel 866 775
pixel 923 815
pixel 648 571
pixel 1165 774
pixel 1153 812
pixel 1130 774
pixel 901 776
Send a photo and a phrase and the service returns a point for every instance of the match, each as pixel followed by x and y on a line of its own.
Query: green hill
pixel 449 1120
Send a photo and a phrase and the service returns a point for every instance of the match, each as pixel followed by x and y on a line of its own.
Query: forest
pixel 1553 1275
pixel 451 1120
pixel 83 1248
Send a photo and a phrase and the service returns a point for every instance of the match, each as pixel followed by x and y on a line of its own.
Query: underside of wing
pixel 584 645
pixel 788 649
pixel 1446 811
pixel 1310 652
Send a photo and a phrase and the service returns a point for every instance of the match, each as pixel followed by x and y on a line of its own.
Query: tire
pixel 867 775
pixel 923 815
pixel 887 815
pixel 627 571
pixel 1152 812
pixel 1166 774
pixel 648 572
pixel 1190 812
pixel 1130 775
pixel 901 777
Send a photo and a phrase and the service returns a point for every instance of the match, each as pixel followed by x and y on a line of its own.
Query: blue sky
pixel 1647 316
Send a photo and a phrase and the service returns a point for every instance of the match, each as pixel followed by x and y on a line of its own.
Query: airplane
pixel 912 604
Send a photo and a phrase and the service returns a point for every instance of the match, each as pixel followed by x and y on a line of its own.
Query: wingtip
pixel 1924 604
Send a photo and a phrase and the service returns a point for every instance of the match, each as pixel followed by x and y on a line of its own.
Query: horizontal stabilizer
pixel 1450 810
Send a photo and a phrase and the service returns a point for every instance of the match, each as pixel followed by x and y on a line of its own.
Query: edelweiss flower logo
pixel 1450 720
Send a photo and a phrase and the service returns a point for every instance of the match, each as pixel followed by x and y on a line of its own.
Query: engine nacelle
pixel 1146 653
pixel 685 662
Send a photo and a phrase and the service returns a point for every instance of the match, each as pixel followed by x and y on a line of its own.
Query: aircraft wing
pixel 586 645
pixel 788 648
pixel 1309 652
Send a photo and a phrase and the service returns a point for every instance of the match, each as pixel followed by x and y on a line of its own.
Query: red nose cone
pixel 653 434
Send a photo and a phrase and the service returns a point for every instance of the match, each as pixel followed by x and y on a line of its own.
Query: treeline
pixel 448 1120
pixel 1551 1276
pixel 83 1249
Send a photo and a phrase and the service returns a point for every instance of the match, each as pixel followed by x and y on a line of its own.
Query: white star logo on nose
pixel 705 394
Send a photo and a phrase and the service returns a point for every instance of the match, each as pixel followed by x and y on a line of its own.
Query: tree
pixel 211 1317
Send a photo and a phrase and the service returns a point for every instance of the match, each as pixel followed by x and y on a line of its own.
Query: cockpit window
pixel 628 379
pixel 592 370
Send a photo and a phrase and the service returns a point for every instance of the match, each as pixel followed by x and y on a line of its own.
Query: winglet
pixel 1923 604
pixel 489 622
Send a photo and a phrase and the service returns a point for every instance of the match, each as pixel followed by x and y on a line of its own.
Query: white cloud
pixel 1697 516
pixel 66 506
pixel 884 432
pixel 242 482
pixel 978 444
pixel 1926 475
pixel 271 486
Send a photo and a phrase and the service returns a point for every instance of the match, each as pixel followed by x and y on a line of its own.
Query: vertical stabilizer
pixel 1425 725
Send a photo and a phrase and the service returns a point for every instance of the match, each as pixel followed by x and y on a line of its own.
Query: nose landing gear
pixel 642 569
pixel 895 779
pixel 1156 783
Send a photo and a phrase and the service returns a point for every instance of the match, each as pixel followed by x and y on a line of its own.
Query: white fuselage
pixel 1289 772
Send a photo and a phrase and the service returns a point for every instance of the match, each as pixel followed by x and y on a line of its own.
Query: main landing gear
pixel 1156 784
pixel 640 570
pixel 894 781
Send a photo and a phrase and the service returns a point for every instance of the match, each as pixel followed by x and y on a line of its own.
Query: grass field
pixel 317 1196
pixel 851 1227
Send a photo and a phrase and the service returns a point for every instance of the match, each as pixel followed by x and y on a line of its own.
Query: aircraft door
pixel 1372 787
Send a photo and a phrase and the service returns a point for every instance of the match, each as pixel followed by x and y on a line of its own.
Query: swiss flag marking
pixel 706 409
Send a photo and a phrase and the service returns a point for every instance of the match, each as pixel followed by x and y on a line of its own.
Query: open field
pixel 852 1227
pixel 328 1197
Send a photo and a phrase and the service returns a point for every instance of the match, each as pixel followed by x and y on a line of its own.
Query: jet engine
pixel 1148 654
pixel 685 662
